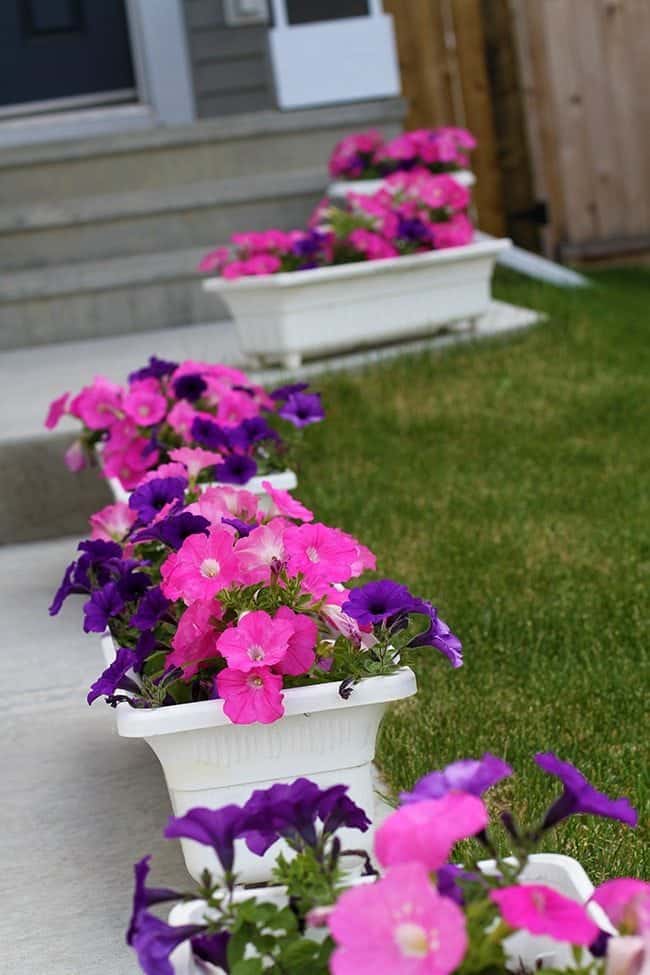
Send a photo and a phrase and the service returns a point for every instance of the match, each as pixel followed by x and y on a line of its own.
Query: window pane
pixel 308 11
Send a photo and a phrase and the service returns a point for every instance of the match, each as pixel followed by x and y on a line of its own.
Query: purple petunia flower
pixel 132 584
pixel 209 434
pixel 144 897
pixel 284 392
pixel 378 601
pixel 154 940
pixel 235 469
pixel 156 369
pixel 447 878
pixel 301 409
pixel 114 677
pixel 174 530
pixel 102 605
pixel 218 828
pixel 241 527
pixel 69 586
pixel 438 635
pixel 191 387
pixel 151 608
pixel 152 496
pixel 413 229
pixel 212 948
pixel 580 796
pixel 336 809
pixel 475 776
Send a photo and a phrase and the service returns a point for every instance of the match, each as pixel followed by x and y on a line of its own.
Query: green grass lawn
pixel 509 482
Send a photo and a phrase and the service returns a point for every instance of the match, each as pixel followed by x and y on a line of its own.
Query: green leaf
pixel 251 966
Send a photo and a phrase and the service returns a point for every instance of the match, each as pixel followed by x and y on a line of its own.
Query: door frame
pixel 163 81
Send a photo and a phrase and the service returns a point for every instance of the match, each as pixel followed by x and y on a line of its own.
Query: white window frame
pixel 333 61
pixel 163 78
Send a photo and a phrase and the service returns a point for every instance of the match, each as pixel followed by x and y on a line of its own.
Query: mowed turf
pixel 509 482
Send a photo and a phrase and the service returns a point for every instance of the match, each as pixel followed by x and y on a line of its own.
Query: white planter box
pixel 208 761
pixel 524 951
pixel 282 481
pixel 283 317
pixel 339 189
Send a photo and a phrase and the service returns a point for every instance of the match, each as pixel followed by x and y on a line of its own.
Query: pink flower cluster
pixel 365 155
pixel 413 212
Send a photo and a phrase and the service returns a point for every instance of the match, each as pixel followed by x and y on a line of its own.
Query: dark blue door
pixel 63 49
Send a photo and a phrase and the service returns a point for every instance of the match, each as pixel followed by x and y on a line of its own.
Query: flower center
pixel 209 568
pixel 255 682
pixel 413 940
pixel 312 554
pixel 255 652
pixel 143 409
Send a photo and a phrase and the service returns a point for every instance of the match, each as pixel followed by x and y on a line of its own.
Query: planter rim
pixel 337 187
pixel 284 480
pixel 322 275
pixel 146 723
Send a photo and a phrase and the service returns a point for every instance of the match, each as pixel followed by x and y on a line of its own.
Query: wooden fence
pixel 556 92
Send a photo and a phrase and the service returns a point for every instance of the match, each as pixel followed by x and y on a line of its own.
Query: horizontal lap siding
pixel 230 65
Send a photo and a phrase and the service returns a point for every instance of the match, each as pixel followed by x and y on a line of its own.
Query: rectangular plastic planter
pixel 284 317
pixel 340 188
pixel 525 952
pixel 208 761
pixel 282 481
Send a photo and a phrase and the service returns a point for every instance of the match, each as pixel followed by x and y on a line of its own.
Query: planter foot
pixel 292 360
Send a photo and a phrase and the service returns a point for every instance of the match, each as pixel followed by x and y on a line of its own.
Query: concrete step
pixel 248 144
pixel 185 216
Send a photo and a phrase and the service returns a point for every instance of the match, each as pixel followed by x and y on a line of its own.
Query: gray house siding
pixel 230 65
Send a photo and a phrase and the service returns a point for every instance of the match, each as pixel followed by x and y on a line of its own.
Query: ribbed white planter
pixel 208 761
pixel 283 317
pixel 525 951
pixel 339 189
pixel 282 481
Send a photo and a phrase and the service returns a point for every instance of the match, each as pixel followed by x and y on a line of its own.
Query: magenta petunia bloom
pixel 203 565
pixel 56 411
pixel 258 640
pixel 324 555
pixel 301 649
pixel 261 550
pixel 541 910
pixel 426 832
pixel 75 457
pixel 195 459
pixel 285 504
pixel 195 638
pixel 252 696
pixel 113 522
pixel 144 406
pixel 401 925
pixel 98 405
pixel 626 902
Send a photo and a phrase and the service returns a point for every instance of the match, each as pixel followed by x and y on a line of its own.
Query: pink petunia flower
pixel 222 501
pixel 400 924
pixel 235 407
pixel 626 902
pixel 262 550
pixel 285 504
pixel 258 640
pixel 213 260
pixel 195 459
pixel 165 470
pixel 628 955
pixel 453 233
pixel 203 565
pixel 425 832
pixel 144 406
pixel 252 696
pixel 541 910
pixel 75 457
pixel 195 638
pixel 324 555
pixel 56 411
pixel 113 522
pixel 181 417
pixel 300 655
pixel 98 405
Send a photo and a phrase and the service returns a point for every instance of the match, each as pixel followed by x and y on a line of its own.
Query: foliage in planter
pixel 209 595
pixel 205 421
pixel 414 212
pixel 365 155
pixel 424 916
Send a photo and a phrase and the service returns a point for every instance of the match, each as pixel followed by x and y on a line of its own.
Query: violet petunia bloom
pixel 284 392
pixel 301 409
pixel 102 605
pixel 114 677
pixel 174 530
pixel 336 809
pixel 70 585
pixel 580 796
pixel 209 434
pixel 467 775
pixel 447 881
pixel 155 940
pixel 132 584
pixel 212 948
pixel 241 527
pixel 191 387
pixel 378 601
pixel 156 369
pixel 218 828
pixel 152 496
pixel 144 897
pixel 235 469
pixel 438 635
pixel 152 607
